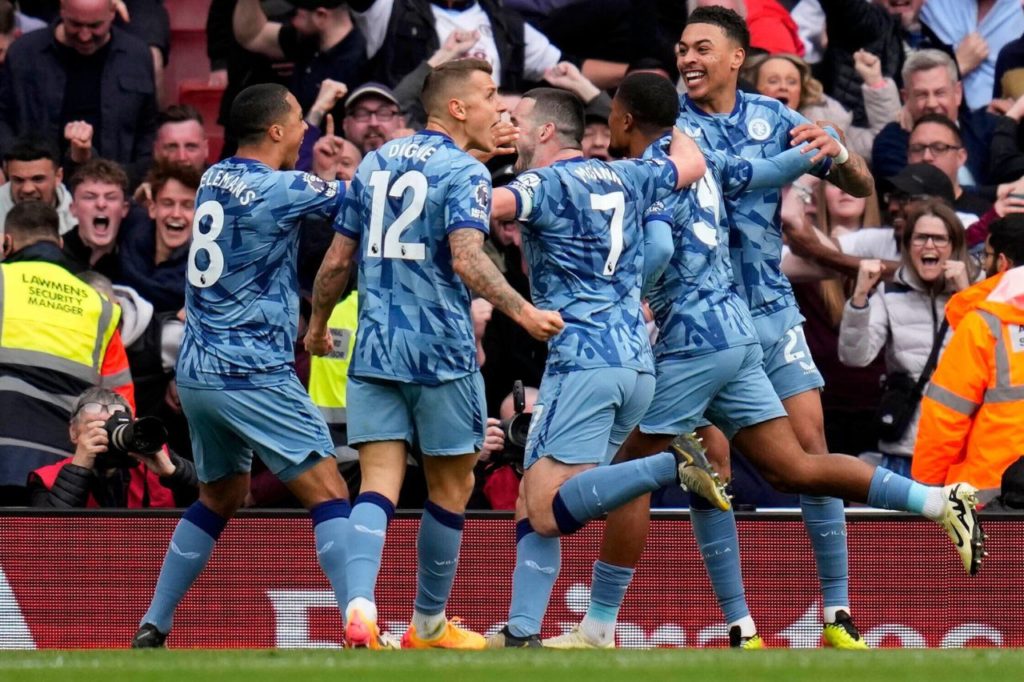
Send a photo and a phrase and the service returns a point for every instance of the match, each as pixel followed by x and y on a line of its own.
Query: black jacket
pixel 412 38
pixel 32 84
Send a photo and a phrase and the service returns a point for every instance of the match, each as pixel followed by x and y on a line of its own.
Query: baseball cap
pixel 923 178
pixel 371 88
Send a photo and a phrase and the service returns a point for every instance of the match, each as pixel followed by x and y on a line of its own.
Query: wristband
pixel 843 156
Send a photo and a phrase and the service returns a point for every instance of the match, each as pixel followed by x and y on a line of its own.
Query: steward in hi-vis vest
pixel 58 336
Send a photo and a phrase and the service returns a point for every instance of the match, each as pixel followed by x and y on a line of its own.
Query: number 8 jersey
pixel 242 293
pixel 414 311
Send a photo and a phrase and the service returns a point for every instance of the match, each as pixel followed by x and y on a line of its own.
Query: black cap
pixel 923 179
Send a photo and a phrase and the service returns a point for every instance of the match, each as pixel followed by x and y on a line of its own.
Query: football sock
pixel 715 532
pixel 368 525
pixel 892 491
pixel 832 611
pixel 597 491
pixel 437 547
pixel 538 560
pixel 330 530
pixel 190 548
pixel 607 589
pixel 825 520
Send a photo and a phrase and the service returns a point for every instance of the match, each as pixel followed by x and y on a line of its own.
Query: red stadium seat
pixel 188 61
pixel 188 14
pixel 206 99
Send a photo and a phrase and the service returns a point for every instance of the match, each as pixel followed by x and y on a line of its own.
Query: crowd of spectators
pixel 930 92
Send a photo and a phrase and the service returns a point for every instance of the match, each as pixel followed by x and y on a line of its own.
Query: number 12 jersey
pixel 414 311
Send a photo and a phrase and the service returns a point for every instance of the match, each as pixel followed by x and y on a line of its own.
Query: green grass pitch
pixel 990 665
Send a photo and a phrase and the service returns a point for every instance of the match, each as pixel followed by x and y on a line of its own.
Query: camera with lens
pixel 145 436
pixel 516 429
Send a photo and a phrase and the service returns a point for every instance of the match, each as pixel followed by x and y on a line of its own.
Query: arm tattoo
pixel 853 177
pixel 330 280
pixel 480 274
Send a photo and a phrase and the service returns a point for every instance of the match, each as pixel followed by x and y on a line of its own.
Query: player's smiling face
pixel 708 60
pixel 172 211
pixel 483 109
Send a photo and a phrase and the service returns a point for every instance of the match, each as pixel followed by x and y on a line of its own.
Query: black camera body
pixel 516 428
pixel 145 436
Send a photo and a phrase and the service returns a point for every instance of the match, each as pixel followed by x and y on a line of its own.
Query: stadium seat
pixel 206 99
pixel 188 61
pixel 188 14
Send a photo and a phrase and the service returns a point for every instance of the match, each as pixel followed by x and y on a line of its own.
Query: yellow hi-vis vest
pixel 51 319
pixel 328 375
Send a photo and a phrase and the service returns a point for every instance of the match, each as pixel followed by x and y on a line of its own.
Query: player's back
pixel 757 127
pixel 414 311
pixel 241 294
pixel 583 239
pixel 695 302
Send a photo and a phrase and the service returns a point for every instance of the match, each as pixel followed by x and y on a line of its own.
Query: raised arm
pixel 482 276
pixel 330 281
pixel 686 156
pixel 254 31
pixel 849 170
pixel 503 204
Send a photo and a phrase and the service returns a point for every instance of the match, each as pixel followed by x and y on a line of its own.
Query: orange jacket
pixel 972 413
pixel 114 371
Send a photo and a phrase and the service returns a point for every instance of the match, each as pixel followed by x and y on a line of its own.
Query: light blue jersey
pixel 583 238
pixel 758 127
pixel 241 297
pixel 696 303
pixel 414 311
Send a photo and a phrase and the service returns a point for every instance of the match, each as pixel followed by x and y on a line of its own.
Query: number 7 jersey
pixel 583 238
pixel 414 311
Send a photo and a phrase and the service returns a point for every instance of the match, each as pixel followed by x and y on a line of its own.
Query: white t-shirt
pixel 539 53
pixel 870 242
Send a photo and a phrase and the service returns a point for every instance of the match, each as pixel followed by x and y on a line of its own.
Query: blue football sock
pixel 715 531
pixel 330 530
pixel 437 547
pixel 608 586
pixel 825 520
pixel 190 548
pixel 538 560
pixel 597 491
pixel 368 525
pixel 892 491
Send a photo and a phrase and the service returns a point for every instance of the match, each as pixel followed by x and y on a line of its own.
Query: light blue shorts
pixel 727 388
pixel 278 423
pixel 582 417
pixel 789 365
pixel 447 419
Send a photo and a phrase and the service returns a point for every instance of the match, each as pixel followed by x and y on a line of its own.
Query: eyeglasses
pixel 938 240
pixel 936 148
pixel 384 115
pixel 97 408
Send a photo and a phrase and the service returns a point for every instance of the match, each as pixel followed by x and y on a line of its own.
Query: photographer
pixel 100 475
pixel 500 467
